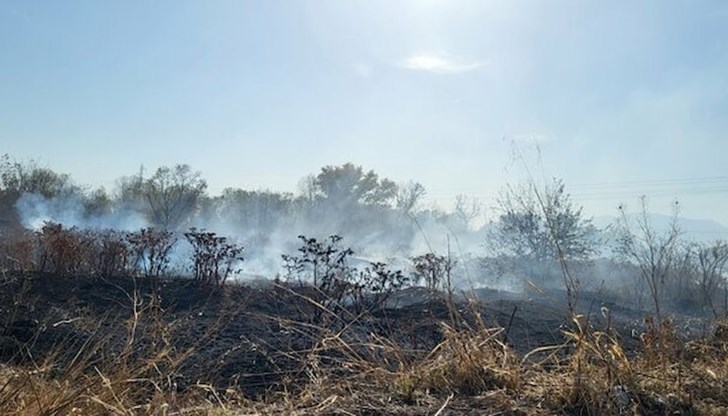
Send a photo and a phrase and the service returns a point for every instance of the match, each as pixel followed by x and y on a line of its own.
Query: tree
pixel 97 203
pixel 467 209
pixel 712 262
pixel 17 178
pixel 130 190
pixel 348 185
pixel 254 211
pixel 654 253
pixel 540 233
pixel 172 195
pixel 409 196
pixel 307 189
pixel 542 227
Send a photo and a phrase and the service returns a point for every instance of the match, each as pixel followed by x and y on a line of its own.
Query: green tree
pixel 349 185
pixel 539 233
pixel 543 225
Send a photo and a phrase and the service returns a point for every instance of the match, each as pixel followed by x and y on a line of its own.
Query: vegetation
pixel 101 320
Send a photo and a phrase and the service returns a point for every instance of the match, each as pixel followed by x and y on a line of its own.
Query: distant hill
pixel 700 230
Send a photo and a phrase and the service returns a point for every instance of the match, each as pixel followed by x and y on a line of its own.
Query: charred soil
pixel 275 348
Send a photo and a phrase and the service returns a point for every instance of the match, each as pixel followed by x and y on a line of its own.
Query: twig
pixel 444 405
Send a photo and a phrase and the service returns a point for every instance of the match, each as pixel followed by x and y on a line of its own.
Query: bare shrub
pixel 113 253
pixel 710 263
pixel 337 287
pixel 150 249
pixel 214 258
pixel 433 269
pixel 18 251
pixel 375 285
pixel 63 251
pixel 654 253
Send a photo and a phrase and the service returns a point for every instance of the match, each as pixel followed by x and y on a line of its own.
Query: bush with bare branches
pixel 214 258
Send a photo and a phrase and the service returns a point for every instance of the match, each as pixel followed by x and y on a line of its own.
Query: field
pixel 86 345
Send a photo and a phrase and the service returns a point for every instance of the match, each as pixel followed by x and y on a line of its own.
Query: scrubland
pixel 93 323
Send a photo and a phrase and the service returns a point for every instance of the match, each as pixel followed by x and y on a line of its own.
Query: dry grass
pixel 129 367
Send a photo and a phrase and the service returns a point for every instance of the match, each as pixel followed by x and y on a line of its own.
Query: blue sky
pixel 622 98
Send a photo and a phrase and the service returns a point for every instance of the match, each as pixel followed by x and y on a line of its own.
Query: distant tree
pixel 542 225
pixel 699 277
pixel 97 202
pixel 130 190
pixel 173 194
pixel 539 232
pixel 467 209
pixel 409 196
pixel 711 261
pixel 307 189
pixel 17 178
pixel 349 185
pixel 259 211
pixel 654 253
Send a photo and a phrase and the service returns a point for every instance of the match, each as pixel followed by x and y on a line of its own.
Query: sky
pixel 617 98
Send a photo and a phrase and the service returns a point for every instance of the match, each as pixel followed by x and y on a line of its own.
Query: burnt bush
pixel 64 251
pixel 338 289
pixel 150 250
pixel 433 269
pixel 214 258
pixel 18 251
pixel 112 253
pixel 375 285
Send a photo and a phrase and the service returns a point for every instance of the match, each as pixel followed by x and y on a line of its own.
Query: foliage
pixel 113 253
pixel 253 210
pixel 711 262
pixel 28 177
pixel 542 225
pixel 539 232
pixel 18 178
pixel 172 195
pixel 467 209
pixel 349 185
pixel 18 251
pixel 324 264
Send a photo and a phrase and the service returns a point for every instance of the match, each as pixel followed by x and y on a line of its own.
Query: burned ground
pixel 265 342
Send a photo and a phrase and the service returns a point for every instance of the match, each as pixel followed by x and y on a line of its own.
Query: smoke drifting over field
pixel 34 210
pixel 524 249
pixel 268 224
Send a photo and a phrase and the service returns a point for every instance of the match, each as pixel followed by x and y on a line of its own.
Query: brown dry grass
pixel 471 371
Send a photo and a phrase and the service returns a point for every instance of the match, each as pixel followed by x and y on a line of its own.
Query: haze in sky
pixel 618 98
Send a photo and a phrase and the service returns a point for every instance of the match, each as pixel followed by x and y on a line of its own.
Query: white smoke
pixel 34 210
